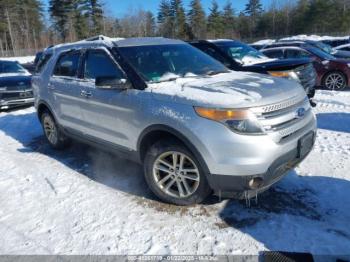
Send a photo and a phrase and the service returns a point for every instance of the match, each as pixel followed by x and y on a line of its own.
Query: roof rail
pixel 97 37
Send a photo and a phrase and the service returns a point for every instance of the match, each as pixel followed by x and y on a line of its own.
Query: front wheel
pixel 52 132
pixel 335 81
pixel 174 175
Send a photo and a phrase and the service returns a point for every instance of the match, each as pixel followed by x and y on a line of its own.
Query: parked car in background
pixel 195 125
pixel 345 47
pixel 318 44
pixel 336 41
pixel 15 85
pixel 332 73
pixel 241 57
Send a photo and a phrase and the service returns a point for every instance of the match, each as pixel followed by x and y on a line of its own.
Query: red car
pixel 332 73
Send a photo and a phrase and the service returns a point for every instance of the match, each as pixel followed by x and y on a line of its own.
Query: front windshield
pixel 326 48
pixel 322 54
pixel 11 67
pixel 244 54
pixel 158 63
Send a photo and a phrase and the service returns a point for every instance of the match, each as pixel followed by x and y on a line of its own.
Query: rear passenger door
pixel 64 90
pixel 109 112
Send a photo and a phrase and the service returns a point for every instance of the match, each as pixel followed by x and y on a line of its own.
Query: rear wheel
pixel 52 132
pixel 174 175
pixel 335 81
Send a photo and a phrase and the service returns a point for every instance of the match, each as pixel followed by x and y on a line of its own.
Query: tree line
pixel 27 25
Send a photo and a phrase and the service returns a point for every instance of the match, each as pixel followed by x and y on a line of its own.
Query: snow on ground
pixel 84 201
pixel 20 59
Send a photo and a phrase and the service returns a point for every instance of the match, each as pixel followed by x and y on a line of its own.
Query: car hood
pixel 15 81
pixel 273 65
pixel 227 90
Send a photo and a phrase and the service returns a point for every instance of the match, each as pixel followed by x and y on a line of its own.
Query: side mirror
pixel 111 82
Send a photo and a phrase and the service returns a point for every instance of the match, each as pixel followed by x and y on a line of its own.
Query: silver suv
pixel 196 126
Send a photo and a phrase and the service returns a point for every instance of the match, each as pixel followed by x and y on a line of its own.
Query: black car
pixel 241 57
pixel 15 85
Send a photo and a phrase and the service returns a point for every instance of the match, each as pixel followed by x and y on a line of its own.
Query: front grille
pixel 9 95
pixel 282 120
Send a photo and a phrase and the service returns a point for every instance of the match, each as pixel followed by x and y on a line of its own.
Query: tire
pixel 52 131
pixel 185 187
pixel 335 81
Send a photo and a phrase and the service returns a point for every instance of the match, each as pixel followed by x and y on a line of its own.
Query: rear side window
pixel 67 65
pixel 293 53
pixel 274 53
pixel 99 64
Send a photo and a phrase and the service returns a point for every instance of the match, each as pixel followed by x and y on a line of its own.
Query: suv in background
pixel 194 125
pixel 241 57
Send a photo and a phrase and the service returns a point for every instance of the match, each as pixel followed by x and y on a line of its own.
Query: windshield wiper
pixel 211 73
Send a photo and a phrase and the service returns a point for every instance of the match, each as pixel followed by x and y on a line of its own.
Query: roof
pixel 144 41
pixel 110 42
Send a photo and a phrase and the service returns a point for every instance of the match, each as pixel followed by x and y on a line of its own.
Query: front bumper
pixel 240 187
pixel 5 104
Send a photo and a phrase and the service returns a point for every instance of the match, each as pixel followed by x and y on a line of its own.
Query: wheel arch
pixel 42 107
pixel 154 133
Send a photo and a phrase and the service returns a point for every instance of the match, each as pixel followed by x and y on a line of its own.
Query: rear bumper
pixel 239 187
pixel 4 104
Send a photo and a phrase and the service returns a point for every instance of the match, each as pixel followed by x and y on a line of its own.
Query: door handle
pixel 51 86
pixel 85 94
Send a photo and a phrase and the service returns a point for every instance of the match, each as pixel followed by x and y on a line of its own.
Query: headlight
pixel 240 121
pixel 286 74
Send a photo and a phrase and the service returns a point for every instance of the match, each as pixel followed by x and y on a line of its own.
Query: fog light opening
pixel 256 182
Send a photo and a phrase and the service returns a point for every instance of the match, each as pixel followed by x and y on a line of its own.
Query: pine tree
pixel 59 12
pixel 197 19
pixel 253 9
pixel 165 20
pixel 178 17
pixel 96 17
pixel 228 19
pixel 215 25
pixel 81 19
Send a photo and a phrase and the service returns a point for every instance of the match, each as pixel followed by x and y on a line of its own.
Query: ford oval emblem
pixel 300 112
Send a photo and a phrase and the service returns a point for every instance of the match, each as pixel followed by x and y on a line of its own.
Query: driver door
pixel 108 111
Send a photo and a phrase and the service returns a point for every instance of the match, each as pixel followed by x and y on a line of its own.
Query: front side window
pixel 99 64
pixel 156 63
pixel 67 65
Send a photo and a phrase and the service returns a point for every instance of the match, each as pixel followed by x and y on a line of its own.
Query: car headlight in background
pixel 286 74
pixel 239 121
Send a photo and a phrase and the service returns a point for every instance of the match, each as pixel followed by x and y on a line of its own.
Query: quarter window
pixel 99 64
pixel 67 65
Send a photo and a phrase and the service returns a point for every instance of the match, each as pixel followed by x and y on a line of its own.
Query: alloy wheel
pixel 50 130
pixel 176 174
pixel 335 81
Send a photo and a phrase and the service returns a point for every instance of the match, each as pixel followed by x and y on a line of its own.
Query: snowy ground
pixel 83 201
